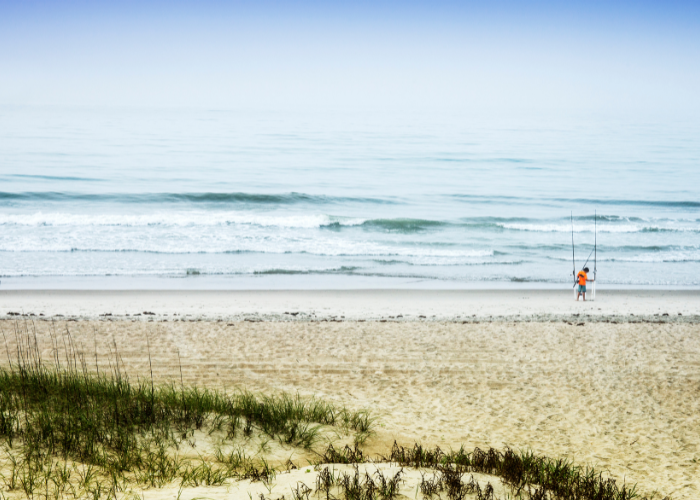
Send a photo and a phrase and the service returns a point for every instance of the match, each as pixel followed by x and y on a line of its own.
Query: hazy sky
pixel 618 57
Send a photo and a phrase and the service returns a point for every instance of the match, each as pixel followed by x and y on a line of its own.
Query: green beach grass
pixel 67 430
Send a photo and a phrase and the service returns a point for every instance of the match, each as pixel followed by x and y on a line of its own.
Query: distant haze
pixel 630 58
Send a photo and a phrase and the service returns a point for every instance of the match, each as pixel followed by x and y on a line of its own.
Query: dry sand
pixel 621 395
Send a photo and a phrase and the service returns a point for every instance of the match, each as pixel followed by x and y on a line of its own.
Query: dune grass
pixel 449 476
pixel 529 475
pixel 71 431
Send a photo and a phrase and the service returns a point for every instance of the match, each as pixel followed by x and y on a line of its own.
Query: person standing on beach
pixel 582 279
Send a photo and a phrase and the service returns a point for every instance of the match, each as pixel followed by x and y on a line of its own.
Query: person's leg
pixel 584 296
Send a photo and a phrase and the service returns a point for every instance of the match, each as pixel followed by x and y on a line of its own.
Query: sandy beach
pixel 446 305
pixel 613 383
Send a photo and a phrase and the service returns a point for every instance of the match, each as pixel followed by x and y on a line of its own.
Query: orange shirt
pixel 582 277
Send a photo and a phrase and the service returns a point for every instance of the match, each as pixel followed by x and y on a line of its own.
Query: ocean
pixel 134 198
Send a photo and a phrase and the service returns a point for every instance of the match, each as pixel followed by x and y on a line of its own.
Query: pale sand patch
pixel 625 397
pixel 352 304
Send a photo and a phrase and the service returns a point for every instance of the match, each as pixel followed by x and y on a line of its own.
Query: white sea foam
pixel 176 219
pixel 300 221
pixel 187 241
pixel 658 257
pixel 601 228
pixel 655 257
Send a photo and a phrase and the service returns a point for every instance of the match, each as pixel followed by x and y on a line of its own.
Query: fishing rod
pixel 573 248
pixel 595 246
pixel 589 258
pixel 594 251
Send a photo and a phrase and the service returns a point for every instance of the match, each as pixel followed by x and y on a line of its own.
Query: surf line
pixel 594 252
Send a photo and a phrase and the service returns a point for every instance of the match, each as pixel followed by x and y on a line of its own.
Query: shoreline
pixel 353 305
pixel 297 281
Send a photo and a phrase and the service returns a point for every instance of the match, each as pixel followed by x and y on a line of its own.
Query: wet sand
pixel 352 304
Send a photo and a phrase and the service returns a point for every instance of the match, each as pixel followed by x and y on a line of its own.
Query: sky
pixel 621 57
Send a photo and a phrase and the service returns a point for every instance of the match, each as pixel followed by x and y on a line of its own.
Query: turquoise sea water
pixel 336 199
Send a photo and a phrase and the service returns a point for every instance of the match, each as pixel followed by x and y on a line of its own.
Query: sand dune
pixel 624 397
